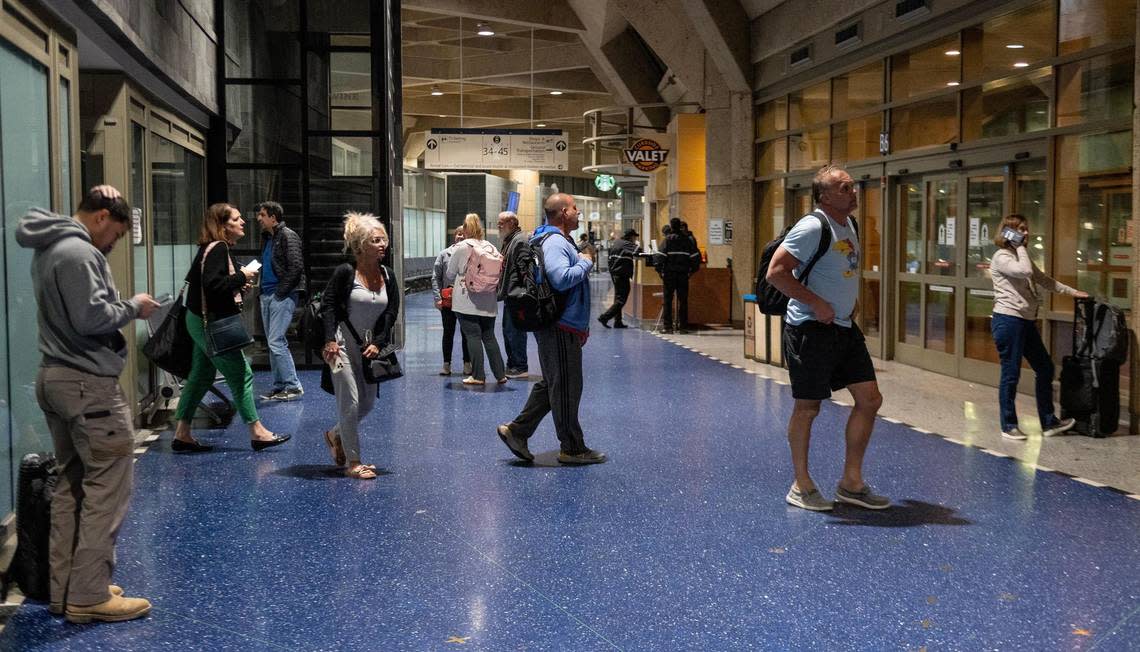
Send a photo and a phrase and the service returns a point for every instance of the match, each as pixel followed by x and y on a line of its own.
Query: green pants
pixel 234 367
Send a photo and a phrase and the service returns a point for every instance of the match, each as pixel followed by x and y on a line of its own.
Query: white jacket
pixel 482 304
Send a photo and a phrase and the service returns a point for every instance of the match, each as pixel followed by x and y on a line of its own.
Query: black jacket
pixel 681 255
pixel 334 310
pixel 621 258
pixel 288 261
pixel 509 245
pixel 220 285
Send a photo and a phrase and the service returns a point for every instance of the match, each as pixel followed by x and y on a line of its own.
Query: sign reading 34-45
pixel 496 149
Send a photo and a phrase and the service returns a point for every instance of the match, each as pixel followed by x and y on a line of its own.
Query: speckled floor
pixel 681 542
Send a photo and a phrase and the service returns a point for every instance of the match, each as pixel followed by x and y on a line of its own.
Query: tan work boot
pixel 56 608
pixel 114 610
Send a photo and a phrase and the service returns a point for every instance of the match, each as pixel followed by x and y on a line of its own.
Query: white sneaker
pixel 1015 433
pixel 1058 427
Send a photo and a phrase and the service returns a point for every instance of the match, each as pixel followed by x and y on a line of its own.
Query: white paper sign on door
pixel 951 222
pixel 975 230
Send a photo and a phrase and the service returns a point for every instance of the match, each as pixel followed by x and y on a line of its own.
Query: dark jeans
pixel 676 283
pixel 1016 338
pixel 479 334
pixel 621 295
pixel 514 341
pixel 559 392
pixel 449 321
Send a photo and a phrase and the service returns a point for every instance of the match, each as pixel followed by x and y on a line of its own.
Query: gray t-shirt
pixel 364 308
pixel 835 278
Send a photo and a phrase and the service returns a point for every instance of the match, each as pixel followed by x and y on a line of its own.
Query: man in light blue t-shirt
pixel 823 347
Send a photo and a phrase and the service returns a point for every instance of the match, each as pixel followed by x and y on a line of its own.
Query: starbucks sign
pixel 605 182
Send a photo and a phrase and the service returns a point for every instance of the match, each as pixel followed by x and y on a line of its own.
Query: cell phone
pixel 252 266
pixel 1013 237
pixel 166 298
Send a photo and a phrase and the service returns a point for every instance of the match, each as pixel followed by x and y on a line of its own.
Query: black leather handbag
pixel 170 347
pixel 228 333
pixel 384 367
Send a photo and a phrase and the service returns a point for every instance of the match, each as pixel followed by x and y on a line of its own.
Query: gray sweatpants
pixel 559 391
pixel 92 432
pixel 354 397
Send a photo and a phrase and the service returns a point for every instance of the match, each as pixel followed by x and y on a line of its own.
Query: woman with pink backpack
pixel 474 271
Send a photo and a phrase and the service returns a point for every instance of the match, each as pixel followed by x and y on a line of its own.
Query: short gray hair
pixel 509 215
pixel 822 180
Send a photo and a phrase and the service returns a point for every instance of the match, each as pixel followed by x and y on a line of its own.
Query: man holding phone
pixel 282 269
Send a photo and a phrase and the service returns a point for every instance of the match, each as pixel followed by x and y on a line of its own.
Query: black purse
pixel 170 347
pixel 384 367
pixel 228 333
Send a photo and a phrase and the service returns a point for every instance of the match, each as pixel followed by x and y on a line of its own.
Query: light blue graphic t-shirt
pixel 835 278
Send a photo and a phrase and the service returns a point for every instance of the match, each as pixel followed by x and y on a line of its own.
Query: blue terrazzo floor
pixel 682 541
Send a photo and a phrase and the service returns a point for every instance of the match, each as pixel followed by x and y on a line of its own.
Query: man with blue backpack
pixel 816 266
pixel 560 341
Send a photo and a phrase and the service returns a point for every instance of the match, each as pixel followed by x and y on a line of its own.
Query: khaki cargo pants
pixel 91 429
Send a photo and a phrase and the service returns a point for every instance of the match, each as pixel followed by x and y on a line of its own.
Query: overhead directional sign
pixel 496 149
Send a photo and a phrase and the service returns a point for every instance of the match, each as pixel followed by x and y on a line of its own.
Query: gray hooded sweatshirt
pixel 80 313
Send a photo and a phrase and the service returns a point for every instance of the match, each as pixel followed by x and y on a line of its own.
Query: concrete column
pixel 1134 356
pixel 529 217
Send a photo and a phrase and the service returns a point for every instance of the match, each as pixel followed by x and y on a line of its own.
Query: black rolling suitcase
pixel 1090 378
pixel 29 567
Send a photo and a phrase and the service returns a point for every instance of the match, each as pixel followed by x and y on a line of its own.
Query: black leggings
pixel 449 321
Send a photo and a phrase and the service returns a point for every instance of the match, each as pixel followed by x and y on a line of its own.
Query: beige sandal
pixel 335 449
pixel 361 472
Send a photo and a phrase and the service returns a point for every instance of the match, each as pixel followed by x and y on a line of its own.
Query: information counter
pixel 710 295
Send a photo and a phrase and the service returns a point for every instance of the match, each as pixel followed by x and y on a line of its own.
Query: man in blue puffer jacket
pixel 560 345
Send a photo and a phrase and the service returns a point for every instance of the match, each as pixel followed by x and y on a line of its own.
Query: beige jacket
pixel 1015 279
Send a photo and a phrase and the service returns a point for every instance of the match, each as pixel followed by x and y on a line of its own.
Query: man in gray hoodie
pixel 77 387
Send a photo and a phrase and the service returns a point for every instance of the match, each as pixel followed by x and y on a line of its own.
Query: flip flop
pixel 335 449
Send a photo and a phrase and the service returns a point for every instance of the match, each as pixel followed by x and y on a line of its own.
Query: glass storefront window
pixel 771 117
pixel 248 188
pixel 769 211
pixel 65 146
pixel 869 307
pixel 926 69
pixel 934 122
pixel 985 208
pixel 264 134
pixel 1099 88
pixel 261 39
pixel 1029 200
pixel 1007 107
pixel 856 139
pixel 979 314
pixel 942 228
pixel 350 89
pixel 178 186
pixel 1093 200
pixel 772 157
pixel 1007 44
pixel 940 318
pixel 1086 24
pixel 136 180
pixel 910 314
pixel 809 151
pixel 870 225
pixel 910 202
pixel 857 91
pixel 809 106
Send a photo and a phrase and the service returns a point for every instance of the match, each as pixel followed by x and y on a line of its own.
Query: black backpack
pixel 770 300
pixel 29 568
pixel 1102 329
pixel 312 326
pixel 530 300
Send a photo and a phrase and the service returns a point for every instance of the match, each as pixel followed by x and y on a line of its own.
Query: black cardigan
pixel 220 284
pixel 334 304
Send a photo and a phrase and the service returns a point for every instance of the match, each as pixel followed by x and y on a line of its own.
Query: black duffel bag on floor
pixel 29 568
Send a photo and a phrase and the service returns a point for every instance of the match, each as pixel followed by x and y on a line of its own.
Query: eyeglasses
pixel 382 241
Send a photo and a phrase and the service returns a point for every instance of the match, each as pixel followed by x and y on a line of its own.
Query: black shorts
pixel 822 358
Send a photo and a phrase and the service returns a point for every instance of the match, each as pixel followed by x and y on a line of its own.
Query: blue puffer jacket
pixel 568 274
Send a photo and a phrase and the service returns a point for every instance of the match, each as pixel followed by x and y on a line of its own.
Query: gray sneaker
pixel 518 373
pixel 290 394
pixel 812 500
pixel 863 498
pixel 515 443
pixel 1058 427
pixel 272 395
pixel 587 456
pixel 1014 433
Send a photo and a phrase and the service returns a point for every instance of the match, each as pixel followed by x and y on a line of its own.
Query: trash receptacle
pixel 750 326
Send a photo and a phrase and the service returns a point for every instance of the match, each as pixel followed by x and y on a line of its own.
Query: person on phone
pixel 358 311
pixel 282 279
pixel 80 317
pixel 438 288
pixel 213 280
pixel 1014 327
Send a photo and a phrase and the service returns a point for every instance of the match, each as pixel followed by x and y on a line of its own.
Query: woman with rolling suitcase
pixel 1014 326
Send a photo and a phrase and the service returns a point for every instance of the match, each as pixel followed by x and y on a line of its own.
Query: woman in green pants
pixel 216 287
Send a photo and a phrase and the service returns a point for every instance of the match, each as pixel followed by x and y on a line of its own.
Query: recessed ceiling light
pixel 484 30
pixel 1021 64
pixel 951 83
pixel 435 91
pixel 442 116
pixel 1015 46
pixel 555 92
pixel 541 124
pixel 953 53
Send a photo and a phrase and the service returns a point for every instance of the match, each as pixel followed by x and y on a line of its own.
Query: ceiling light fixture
pixel 953 53
pixel 484 30
pixel 555 92
pixel 435 91
pixel 541 124
pixel 1021 64
pixel 1015 46
pixel 951 83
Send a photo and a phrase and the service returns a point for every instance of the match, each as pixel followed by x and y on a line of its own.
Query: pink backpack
pixel 484 266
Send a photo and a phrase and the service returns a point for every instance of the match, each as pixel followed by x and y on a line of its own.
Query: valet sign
pixel 646 155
